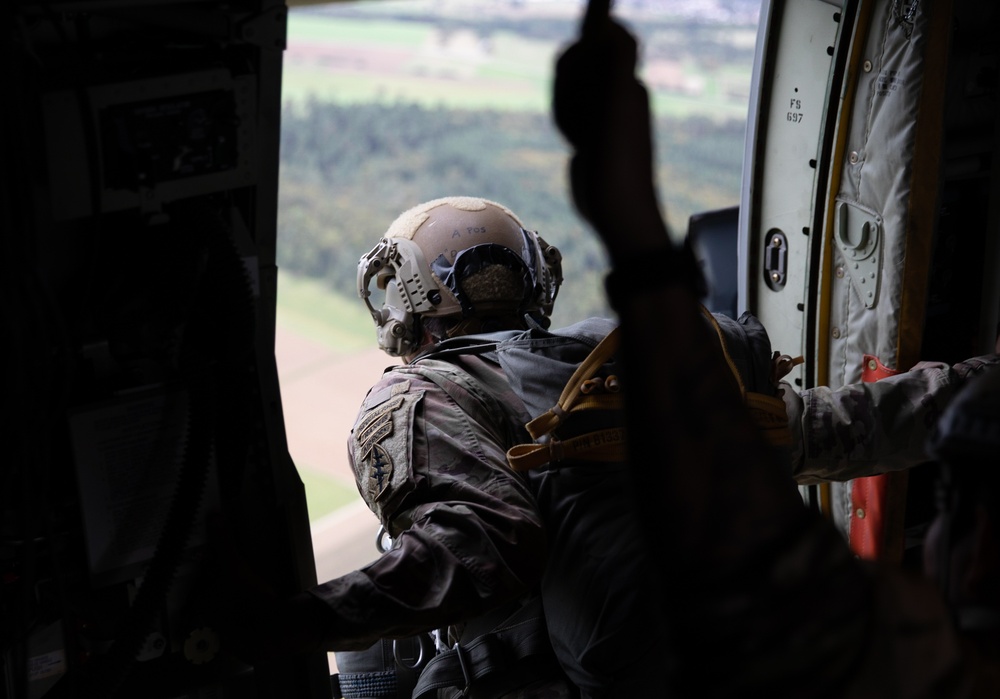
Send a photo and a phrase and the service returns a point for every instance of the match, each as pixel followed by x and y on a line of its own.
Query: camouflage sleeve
pixel 869 428
pixel 466 533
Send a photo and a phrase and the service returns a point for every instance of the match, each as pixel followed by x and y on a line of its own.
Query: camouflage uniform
pixel 428 450
pixel 864 429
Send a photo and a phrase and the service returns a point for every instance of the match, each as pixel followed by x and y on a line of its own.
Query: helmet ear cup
pixel 397 331
pixel 394 339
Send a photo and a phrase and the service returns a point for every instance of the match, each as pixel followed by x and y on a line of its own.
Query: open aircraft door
pixel 868 217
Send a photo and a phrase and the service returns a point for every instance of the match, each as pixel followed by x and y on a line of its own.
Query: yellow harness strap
pixel 767 412
pixel 582 392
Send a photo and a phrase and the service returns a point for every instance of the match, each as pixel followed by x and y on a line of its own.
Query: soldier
pixel 467 295
pixel 472 560
pixel 428 449
pixel 763 591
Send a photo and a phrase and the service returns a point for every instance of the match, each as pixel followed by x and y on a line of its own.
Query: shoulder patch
pixel 378 463
pixel 376 424
pixel 381 443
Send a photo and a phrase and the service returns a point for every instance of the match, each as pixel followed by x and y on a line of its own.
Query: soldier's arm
pixel 467 535
pixel 865 429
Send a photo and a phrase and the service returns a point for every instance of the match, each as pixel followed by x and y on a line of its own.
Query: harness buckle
pixel 460 654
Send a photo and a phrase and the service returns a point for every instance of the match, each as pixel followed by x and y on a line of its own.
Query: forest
pixel 348 170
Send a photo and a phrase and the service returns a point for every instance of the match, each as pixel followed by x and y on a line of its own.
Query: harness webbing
pixel 582 392
pixel 768 412
pixel 523 635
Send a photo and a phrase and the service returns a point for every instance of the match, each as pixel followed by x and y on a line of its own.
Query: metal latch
pixel 776 260
pixel 858 234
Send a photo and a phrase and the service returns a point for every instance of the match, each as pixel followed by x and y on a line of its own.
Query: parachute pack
pixel 600 590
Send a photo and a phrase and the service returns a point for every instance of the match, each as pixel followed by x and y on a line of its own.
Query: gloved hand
pixel 603 111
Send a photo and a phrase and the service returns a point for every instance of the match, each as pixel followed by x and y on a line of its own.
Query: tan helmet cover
pixel 449 225
pixel 419 262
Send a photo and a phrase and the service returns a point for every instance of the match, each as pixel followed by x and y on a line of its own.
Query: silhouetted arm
pixel 744 560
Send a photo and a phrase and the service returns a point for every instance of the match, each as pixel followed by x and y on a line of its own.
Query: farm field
pixel 327 358
pixel 364 54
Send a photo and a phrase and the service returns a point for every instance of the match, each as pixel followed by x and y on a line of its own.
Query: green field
pixel 307 306
pixel 306 27
pixel 325 494
pixel 403 65
pixel 366 53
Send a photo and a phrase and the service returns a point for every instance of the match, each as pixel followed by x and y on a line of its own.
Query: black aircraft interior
pixel 140 154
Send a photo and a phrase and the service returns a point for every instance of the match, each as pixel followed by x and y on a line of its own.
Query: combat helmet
pixel 456 257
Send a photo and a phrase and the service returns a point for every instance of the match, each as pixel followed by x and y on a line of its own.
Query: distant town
pixel 716 11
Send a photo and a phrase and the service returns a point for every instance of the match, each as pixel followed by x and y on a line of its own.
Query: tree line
pixel 348 170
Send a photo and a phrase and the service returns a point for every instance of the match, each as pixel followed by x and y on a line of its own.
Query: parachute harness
pixel 583 391
pixel 768 412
